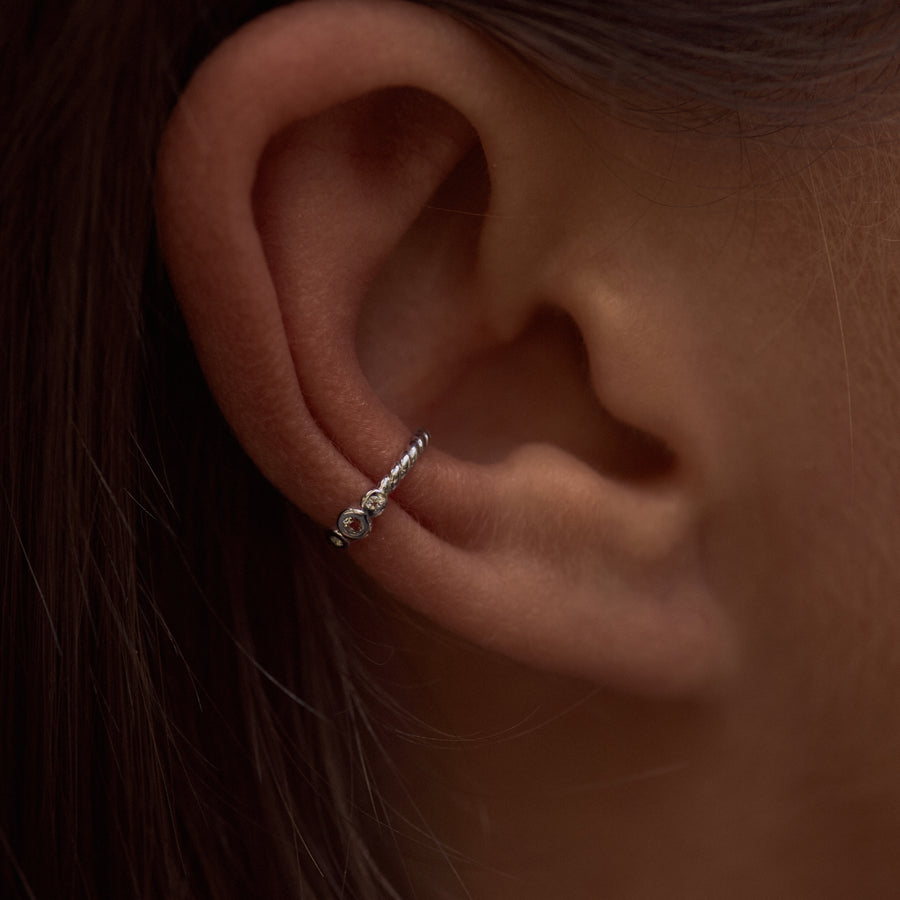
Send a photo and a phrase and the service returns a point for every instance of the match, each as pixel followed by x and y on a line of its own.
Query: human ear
pixel 358 218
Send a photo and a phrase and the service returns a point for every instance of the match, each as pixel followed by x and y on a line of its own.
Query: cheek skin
pixel 802 386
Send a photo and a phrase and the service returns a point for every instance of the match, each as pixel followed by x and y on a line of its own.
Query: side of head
pixel 654 362
pixel 634 347
pixel 656 353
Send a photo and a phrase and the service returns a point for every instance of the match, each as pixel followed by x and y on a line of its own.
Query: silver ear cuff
pixel 355 523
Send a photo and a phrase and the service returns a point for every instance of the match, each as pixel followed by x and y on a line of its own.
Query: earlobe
pixel 331 203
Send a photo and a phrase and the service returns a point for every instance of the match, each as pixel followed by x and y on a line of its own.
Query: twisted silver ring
pixel 355 523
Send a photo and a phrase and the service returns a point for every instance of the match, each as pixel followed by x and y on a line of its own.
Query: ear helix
pixel 355 523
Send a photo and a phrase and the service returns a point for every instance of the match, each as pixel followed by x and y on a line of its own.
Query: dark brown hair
pixel 184 710
pixel 770 63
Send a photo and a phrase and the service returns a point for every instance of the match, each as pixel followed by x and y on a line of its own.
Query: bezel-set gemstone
pixel 374 502
pixel 353 524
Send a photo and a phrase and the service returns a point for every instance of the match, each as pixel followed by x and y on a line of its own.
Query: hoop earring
pixel 355 523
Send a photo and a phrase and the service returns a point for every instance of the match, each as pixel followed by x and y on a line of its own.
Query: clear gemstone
pixel 374 502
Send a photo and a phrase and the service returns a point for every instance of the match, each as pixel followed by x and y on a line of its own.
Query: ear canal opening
pixel 536 389
pixel 626 452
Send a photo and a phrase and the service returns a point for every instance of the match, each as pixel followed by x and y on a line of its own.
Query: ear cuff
pixel 355 523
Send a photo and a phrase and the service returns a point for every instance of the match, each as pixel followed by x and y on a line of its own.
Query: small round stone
pixel 374 502
pixel 353 524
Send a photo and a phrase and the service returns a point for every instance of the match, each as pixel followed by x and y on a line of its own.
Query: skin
pixel 786 783
pixel 646 571
pixel 780 276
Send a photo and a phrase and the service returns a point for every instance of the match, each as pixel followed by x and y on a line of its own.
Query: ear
pixel 359 204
